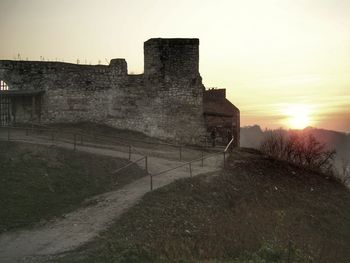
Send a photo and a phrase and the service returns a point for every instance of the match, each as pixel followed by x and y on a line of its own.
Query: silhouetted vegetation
pixel 300 149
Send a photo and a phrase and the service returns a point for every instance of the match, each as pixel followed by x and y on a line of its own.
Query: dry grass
pixel 254 202
pixel 39 183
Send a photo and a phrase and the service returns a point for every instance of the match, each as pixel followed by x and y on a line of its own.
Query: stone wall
pixel 221 114
pixel 165 102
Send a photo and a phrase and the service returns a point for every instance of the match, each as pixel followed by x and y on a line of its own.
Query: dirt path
pixel 83 225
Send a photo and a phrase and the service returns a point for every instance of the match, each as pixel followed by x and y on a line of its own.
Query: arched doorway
pixel 5 105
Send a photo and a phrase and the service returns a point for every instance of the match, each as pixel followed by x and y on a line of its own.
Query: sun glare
pixel 298 116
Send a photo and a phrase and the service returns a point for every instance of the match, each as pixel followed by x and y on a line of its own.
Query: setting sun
pixel 298 116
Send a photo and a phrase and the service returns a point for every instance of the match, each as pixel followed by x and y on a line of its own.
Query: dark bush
pixel 300 149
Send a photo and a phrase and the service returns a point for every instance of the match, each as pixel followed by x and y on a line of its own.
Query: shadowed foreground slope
pixel 257 208
pixel 40 183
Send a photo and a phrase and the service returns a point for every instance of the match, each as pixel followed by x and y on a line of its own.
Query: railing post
pixel 130 153
pixel 180 152
pixel 202 157
pixel 75 141
pixel 224 159
pixel 190 169
pixel 8 134
pixel 146 164
pixel 150 175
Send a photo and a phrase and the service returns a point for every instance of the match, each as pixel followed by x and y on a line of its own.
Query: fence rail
pixel 78 138
pixel 199 159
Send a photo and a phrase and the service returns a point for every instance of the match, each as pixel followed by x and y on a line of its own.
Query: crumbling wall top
pixel 215 94
pixel 172 41
pixel 119 65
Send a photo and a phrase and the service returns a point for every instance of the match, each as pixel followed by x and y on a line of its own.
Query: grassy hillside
pixel 39 183
pixel 257 210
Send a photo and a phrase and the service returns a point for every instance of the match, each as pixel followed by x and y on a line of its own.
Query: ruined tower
pixel 172 59
pixel 172 65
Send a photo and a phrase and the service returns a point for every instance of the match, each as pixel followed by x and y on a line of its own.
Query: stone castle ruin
pixel 167 101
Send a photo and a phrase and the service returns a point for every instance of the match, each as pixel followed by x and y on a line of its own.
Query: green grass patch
pixel 40 183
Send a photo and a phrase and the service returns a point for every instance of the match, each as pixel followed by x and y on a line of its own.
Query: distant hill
pixel 338 140
pixel 251 136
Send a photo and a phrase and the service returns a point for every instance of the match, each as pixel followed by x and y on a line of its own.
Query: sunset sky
pixel 283 62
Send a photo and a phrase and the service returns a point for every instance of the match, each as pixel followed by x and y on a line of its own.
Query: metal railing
pixel 199 159
pixel 75 138
pixel 181 165
pixel 80 139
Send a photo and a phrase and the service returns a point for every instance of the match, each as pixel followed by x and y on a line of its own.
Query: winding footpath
pixel 84 224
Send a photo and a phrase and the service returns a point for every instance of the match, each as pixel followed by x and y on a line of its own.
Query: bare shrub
pixel 300 149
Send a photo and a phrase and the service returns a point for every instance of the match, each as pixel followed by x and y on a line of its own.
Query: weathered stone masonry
pixel 166 101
